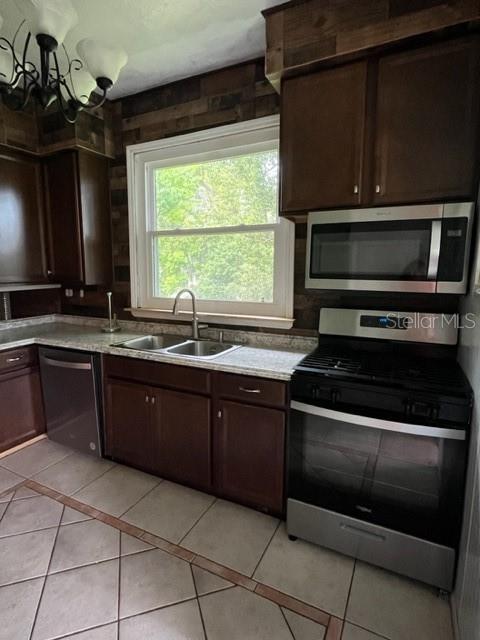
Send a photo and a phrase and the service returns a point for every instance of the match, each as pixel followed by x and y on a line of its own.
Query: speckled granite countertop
pixel 86 335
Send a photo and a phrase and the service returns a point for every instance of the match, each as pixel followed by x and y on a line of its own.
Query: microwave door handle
pixel 435 241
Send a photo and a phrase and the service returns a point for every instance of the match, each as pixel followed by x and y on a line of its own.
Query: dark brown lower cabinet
pixel 182 436
pixel 128 425
pixel 21 416
pixel 250 450
pixel 160 431
pixel 160 418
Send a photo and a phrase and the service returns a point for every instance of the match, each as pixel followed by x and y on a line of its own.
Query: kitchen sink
pixel 179 345
pixel 152 343
pixel 204 349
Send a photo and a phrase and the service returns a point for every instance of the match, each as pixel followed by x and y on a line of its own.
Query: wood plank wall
pixel 233 94
pixel 230 95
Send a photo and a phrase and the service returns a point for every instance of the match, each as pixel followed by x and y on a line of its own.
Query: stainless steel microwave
pixel 422 248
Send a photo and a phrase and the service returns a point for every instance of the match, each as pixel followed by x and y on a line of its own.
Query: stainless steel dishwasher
pixel 72 398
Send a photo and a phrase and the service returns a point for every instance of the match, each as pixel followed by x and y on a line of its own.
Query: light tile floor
pixel 66 575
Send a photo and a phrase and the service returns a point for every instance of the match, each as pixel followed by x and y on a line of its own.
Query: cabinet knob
pixel 355 188
pixel 377 188
pixel 147 399
pixel 152 399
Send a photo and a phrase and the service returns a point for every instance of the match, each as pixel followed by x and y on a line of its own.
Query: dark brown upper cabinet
pixel 396 129
pixel 426 131
pixel 79 218
pixel 22 246
pixel 322 137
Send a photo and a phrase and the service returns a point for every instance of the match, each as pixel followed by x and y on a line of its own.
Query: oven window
pixel 404 482
pixel 371 250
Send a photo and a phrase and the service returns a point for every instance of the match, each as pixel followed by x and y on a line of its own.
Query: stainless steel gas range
pixel 377 441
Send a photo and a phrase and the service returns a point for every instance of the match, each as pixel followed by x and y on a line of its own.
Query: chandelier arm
pixel 71 62
pixel 26 90
pixel 70 109
pixel 16 63
pixel 93 106
pixel 16 33
pixel 15 103
pixel 60 81
pixel 69 112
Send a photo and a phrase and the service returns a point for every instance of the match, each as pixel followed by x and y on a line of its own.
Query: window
pixel 204 215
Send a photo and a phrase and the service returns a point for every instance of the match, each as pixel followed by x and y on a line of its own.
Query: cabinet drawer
pixel 17 358
pixel 158 373
pixel 252 389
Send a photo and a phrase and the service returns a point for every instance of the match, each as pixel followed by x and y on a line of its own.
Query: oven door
pixel 375 255
pixel 405 477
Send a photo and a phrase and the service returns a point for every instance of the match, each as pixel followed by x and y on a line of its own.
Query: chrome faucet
pixel 195 325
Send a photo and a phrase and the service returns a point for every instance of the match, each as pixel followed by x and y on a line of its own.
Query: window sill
pixel 214 318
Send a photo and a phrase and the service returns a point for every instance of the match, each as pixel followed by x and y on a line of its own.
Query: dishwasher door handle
pixel 86 366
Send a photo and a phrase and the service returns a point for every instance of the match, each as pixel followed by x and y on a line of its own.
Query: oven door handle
pixel 376 423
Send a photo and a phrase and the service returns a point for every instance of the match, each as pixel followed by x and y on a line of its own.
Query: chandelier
pixel 69 81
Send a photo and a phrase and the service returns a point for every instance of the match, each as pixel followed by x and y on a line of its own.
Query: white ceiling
pixel 165 39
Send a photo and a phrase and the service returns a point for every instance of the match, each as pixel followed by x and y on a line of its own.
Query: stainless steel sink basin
pixel 204 349
pixel 152 343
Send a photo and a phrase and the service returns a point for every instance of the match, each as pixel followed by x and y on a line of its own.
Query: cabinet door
pixel 128 426
pixel 181 424
pixel 427 124
pixel 22 251
pixel 21 417
pixel 64 218
pixel 322 134
pixel 95 218
pixel 250 450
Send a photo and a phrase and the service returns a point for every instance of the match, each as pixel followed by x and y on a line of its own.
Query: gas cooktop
pixel 408 368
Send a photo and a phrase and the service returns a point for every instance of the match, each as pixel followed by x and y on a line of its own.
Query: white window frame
pixel 142 160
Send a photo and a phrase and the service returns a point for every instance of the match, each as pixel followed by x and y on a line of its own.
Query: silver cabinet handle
pixel 377 188
pixel 355 189
pixel 246 390
pixel 152 399
pixel 15 359
pixel 147 399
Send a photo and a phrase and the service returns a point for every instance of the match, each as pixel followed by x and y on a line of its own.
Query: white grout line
pixel 46 575
pixel 266 548
pixel 197 521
